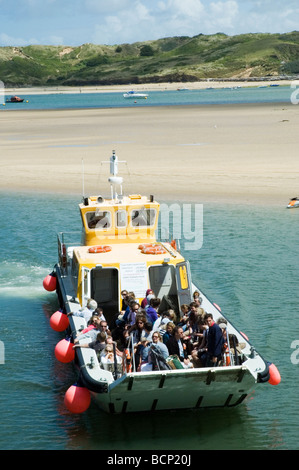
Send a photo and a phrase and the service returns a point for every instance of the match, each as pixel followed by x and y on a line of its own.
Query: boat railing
pixel 65 240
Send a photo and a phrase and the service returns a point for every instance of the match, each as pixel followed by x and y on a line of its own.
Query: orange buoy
pixel 275 378
pixel 217 306
pixel 77 399
pixel 59 321
pixel 64 351
pixel 49 282
pixel 100 249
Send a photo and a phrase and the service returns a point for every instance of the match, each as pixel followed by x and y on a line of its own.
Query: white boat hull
pixel 165 389
pixel 135 95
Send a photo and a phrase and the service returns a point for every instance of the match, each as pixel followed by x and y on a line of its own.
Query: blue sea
pixel 209 96
pixel 248 264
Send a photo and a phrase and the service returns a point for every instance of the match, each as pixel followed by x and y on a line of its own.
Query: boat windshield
pixel 143 217
pixel 98 219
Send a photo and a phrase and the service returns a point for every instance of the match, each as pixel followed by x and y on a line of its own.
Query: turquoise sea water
pixel 248 265
pixel 225 95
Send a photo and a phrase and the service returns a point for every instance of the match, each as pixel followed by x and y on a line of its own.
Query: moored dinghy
pixel 119 250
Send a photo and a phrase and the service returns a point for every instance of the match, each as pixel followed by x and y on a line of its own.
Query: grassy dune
pixel 168 59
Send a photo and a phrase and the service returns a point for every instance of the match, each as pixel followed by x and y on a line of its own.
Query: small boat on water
pixel 294 202
pixel 118 250
pixel 15 99
pixel 134 94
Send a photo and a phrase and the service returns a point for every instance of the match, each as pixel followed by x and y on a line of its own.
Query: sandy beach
pixel 237 153
pixel 200 85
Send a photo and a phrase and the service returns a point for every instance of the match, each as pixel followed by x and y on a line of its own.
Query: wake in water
pixel 19 279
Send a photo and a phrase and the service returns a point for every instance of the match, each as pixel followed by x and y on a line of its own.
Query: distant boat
pixel 15 99
pixel 182 89
pixel 294 202
pixel 134 94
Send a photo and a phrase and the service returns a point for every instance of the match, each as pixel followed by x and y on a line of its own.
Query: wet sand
pixel 237 153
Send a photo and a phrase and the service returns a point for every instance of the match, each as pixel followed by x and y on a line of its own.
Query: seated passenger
pixel 98 345
pixel 145 301
pixel 157 354
pixel 152 310
pixel 99 312
pixel 85 312
pixel 108 356
pixel 177 347
pixel 168 332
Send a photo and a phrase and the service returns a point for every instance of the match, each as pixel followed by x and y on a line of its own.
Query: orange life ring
pixel 148 245
pixel 99 249
pixel 153 250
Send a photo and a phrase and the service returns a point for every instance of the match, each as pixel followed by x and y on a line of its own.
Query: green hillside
pixel 169 59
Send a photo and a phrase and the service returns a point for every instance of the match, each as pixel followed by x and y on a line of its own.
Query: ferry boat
pixel 119 250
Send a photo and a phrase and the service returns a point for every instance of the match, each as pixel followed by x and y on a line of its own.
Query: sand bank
pixel 237 153
pixel 201 85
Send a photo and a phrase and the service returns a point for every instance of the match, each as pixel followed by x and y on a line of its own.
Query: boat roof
pixel 131 253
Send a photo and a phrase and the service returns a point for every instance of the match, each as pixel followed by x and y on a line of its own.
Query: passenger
pixel 137 330
pixel 215 342
pixel 184 311
pixel 98 345
pixel 177 347
pixel 161 322
pixel 101 326
pixel 144 302
pixel 198 301
pixel 122 341
pixel 85 312
pixel 108 356
pixel 134 309
pixel 148 330
pixel 124 294
pixel 109 340
pixel 199 353
pixel 152 310
pixel 196 294
pixel 100 313
pixel 169 331
pixel 172 316
pixel 93 322
pixel 144 350
pixel 159 348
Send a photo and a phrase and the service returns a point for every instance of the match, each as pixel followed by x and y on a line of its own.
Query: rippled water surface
pixel 248 265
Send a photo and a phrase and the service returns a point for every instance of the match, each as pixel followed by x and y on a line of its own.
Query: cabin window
pixel 143 217
pixel 98 220
pixel 121 218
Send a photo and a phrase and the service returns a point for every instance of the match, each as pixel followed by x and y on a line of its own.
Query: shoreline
pixel 220 154
pixel 167 86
